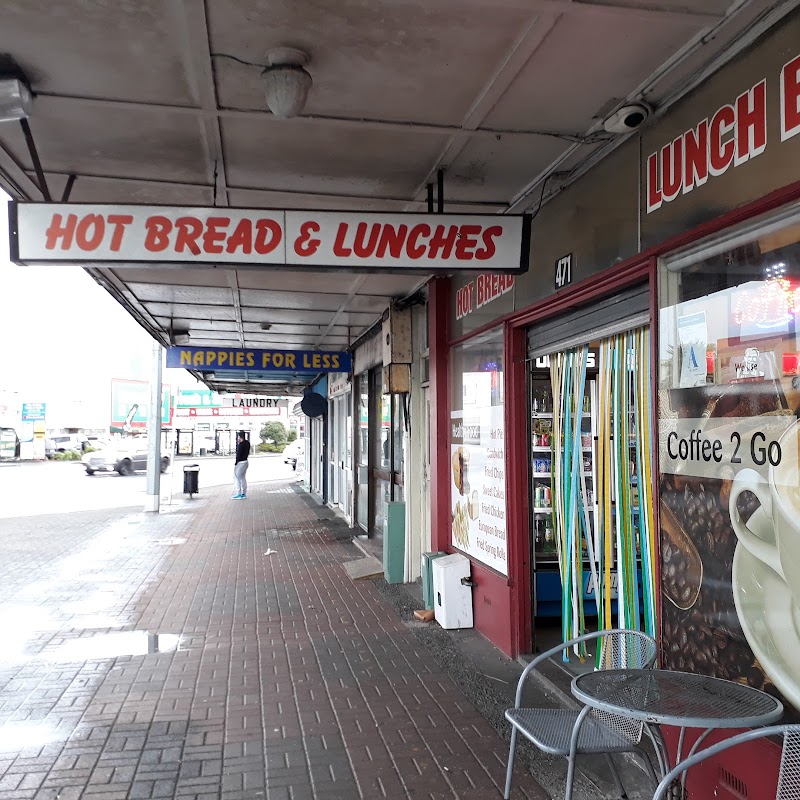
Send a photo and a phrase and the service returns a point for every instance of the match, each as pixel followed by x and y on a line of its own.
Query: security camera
pixel 627 118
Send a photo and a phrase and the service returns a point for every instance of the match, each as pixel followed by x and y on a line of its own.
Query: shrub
pixel 274 433
pixel 269 447
pixel 68 455
pixel 292 436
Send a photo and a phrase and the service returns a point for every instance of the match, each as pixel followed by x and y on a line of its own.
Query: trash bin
pixel 202 451
pixel 191 479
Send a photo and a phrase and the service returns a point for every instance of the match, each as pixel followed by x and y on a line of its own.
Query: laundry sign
pixel 253 401
pixel 47 233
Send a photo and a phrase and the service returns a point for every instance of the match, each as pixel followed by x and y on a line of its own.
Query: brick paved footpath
pixel 291 680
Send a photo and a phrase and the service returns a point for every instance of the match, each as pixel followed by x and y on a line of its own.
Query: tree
pixel 274 433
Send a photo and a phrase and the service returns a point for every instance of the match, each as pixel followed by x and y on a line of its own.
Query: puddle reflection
pixel 16 736
pixel 111 645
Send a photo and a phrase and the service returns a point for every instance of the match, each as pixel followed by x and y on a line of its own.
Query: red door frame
pixel 637 269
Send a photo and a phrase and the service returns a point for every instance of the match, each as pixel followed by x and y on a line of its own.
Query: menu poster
pixel 478 485
pixel 693 338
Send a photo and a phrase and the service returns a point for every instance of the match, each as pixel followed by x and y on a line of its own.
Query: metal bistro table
pixel 679 699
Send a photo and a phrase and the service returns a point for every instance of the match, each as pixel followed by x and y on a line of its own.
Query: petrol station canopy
pixel 162 103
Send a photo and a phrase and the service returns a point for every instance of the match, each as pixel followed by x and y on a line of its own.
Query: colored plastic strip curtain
pixel 570 516
pixel 625 542
pixel 625 498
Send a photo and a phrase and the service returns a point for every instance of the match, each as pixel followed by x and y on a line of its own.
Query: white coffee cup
pixel 779 495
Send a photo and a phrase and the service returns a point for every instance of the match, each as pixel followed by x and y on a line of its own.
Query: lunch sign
pixel 50 233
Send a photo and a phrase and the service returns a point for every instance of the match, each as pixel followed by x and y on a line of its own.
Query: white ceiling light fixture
pixel 15 99
pixel 286 83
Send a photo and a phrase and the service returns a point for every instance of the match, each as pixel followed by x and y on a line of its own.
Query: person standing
pixel 240 467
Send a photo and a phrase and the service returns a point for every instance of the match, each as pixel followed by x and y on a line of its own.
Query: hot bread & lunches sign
pixel 44 233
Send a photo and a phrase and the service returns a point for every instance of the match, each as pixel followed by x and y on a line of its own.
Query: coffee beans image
pixel 682 573
pixel 706 636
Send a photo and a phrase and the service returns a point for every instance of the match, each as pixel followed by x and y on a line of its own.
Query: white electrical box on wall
pixel 397 337
pixel 452 600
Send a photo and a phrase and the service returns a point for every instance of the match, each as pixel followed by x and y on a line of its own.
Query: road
pixel 52 487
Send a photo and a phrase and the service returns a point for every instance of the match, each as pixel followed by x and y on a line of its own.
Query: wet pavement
pixel 219 650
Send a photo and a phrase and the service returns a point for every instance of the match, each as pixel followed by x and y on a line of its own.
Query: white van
pixel 64 442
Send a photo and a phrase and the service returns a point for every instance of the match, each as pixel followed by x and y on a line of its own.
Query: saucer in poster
pixel 770 621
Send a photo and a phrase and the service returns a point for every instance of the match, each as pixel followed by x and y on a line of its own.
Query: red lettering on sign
pixel 56 231
pixel 654 196
pixel 490 287
pixel 672 169
pixel 119 221
pixel 414 250
pixel 241 238
pixel 751 123
pixel 215 234
pixel 790 99
pixel 156 238
pixel 362 247
pixel 467 241
pixel 305 245
pixel 90 232
pixel 695 157
pixel 489 249
pixel 338 246
pixel 392 239
pixel 187 232
pixel 734 134
pixel 464 300
pixel 721 151
pixel 443 242
pixel 268 236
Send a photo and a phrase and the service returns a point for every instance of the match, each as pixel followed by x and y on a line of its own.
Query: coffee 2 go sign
pixel 725 447
pixel 734 134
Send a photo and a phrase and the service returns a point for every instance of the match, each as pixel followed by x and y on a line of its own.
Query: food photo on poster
pixel 728 459
pixel 477 466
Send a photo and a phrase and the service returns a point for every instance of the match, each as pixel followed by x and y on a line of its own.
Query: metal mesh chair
pixel 789 777
pixel 567 733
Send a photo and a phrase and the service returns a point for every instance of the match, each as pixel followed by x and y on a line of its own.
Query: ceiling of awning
pixel 144 102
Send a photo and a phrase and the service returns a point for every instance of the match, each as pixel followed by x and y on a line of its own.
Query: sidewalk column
pixel 154 436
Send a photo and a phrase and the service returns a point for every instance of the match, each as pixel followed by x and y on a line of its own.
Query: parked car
pixel 292 452
pixel 123 457
pixel 64 442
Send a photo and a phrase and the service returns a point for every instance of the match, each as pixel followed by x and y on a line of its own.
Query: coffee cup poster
pixel 478 485
pixel 730 518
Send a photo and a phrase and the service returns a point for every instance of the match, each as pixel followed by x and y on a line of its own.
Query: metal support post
pixel 153 499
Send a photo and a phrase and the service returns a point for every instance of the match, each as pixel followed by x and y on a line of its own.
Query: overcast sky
pixel 64 337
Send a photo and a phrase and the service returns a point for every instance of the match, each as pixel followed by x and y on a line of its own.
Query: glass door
pixel 363 451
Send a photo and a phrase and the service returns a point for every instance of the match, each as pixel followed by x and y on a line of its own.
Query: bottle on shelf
pixel 548 533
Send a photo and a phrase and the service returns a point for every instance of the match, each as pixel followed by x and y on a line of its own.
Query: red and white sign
pixel 227 412
pixel 44 233
pixel 732 135
pixel 482 290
